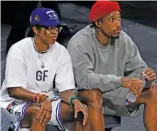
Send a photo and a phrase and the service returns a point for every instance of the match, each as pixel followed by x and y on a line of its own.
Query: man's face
pixel 48 34
pixel 111 24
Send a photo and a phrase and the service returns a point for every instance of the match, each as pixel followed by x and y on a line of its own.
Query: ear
pixel 35 30
pixel 97 23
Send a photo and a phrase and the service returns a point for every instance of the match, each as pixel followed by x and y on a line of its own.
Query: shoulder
pixel 82 38
pixel 20 51
pixel 21 46
pixel 125 40
pixel 125 37
pixel 60 50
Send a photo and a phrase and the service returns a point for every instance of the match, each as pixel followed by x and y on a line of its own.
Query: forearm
pixel 21 93
pixel 135 73
pixel 103 82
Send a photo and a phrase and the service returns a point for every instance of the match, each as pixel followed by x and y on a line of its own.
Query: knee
pixel 31 113
pixel 154 91
pixel 95 98
pixel 33 110
pixel 152 94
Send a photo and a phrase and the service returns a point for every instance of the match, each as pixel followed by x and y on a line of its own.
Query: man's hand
pixel 45 111
pixel 149 75
pixel 135 85
pixel 79 107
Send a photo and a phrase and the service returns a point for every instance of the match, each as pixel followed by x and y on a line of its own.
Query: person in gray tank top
pixel 105 58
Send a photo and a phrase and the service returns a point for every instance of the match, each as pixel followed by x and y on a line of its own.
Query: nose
pixel 118 22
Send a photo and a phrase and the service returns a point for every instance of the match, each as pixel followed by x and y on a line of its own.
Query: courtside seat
pixel 110 121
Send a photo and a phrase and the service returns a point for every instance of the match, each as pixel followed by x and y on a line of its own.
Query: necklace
pixel 39 50
pixel 39 53
pixel 42 62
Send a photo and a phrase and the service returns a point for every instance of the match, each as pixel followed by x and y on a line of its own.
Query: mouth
pixel 118 31
pixel 53 37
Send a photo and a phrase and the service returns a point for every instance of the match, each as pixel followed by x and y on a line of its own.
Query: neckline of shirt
pixel 97 42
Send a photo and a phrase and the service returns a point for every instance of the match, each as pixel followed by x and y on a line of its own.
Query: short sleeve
pixel 64 76
pixel 15 73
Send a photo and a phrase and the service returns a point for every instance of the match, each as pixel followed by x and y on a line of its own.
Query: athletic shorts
pixel 18 111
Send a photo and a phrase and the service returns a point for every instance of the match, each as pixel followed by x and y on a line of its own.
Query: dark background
pixel 144 12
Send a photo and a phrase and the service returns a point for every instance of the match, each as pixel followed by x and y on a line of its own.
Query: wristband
pixel 35 97
pixel 71 100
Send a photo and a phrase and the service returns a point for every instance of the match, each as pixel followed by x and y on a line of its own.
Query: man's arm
pixel 135 65
pixel 16 80
pixel 64 80
pixel 84 72
pixel 21 93
pixel 15 76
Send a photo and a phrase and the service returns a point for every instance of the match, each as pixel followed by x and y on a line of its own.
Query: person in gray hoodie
pixel 105 58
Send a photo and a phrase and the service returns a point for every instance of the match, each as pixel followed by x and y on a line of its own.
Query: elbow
pixel 92 81
pixel 86 83
pixel 11 92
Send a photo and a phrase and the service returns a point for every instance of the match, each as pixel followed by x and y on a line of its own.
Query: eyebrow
pixel 111 16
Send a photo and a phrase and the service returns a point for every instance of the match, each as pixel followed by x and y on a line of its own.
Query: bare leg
pixel 150 117
pixel 67 114
pixel 93 99
pixel 30 119
pixel 149 99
